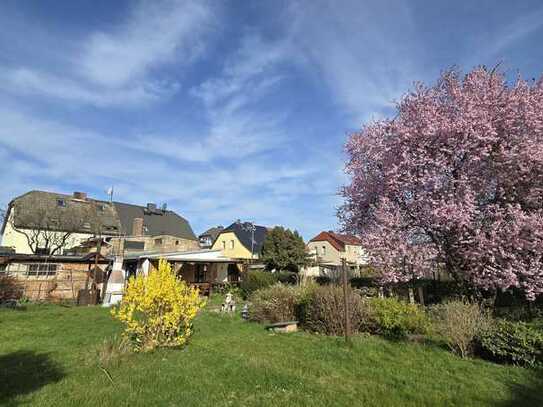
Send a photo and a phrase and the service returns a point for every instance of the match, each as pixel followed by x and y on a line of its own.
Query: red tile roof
pixel 337 240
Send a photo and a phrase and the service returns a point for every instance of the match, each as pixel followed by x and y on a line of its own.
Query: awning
pixel 197 256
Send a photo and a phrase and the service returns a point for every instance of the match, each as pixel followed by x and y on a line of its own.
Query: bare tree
pixel 48 228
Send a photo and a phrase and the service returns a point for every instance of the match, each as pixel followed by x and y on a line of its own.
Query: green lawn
pixel 47 359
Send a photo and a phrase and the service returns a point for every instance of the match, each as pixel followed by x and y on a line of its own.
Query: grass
pixel 48 357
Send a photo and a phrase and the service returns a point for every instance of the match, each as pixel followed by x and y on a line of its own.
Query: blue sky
pixel 226 109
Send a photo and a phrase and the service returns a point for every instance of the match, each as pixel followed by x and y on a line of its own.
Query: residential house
pixel 328 249
pixel 50 223
pixel 241 240
pixel 207 238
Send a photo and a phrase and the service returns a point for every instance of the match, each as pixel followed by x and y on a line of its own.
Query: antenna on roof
pixel 109 191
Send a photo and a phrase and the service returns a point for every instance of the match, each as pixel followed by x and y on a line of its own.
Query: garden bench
pixel 282 327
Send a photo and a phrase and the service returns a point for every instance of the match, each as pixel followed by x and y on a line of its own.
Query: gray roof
pixel 156 222
pixel 245 235
pixel 212 232
pixel 113 218
pixel 54 211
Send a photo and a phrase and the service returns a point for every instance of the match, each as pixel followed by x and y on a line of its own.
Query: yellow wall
pixel 239 251
pixel 355 254
pixel 332 255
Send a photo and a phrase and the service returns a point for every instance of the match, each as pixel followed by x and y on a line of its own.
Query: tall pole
pixel 346 319
pixel 252 241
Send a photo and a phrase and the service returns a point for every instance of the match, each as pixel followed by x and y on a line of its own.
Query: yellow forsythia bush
pixel 158 309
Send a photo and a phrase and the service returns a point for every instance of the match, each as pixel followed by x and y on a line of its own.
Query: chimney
pixel 80 195
pixel 137 227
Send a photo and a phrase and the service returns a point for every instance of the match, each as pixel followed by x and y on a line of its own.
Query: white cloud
pixel 119 67
pixel 29 82
pixel 238 124
pixel 358 49
pixel 499 41
pixel 155 33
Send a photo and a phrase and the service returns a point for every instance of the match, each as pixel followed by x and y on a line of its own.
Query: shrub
pixel 458 323
pixel 393 318
pixel 256 280
pixel 276 303
pixel 228 287
pixel 361 282
pixel 287 277
pixel 305 297
pixel 10 289
pixel 325 310
pixel 158 309
pixel 512 342
pixel 111 351
pixel 323 280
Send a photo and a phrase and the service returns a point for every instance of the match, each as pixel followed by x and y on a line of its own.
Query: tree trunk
pixel 411 295
pixel 420 291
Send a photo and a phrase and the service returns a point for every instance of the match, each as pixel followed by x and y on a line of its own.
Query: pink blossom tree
pixel 454 182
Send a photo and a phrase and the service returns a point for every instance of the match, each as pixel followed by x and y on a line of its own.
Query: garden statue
pixel 245 312
pixel 229 304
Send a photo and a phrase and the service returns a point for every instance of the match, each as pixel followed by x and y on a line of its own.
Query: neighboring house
pixel 207 238
pixel 329 248
pixel 51 223
pixel 241 240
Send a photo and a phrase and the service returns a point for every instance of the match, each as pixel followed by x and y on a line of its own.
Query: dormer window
pixel 61 203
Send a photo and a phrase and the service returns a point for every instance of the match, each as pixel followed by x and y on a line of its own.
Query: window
pixel 200 273
pixel 224 244
pixel 86 225
pixel 43 251
pixel 158 242
pixel 3 268
pixel 100 208
pixel 61 202
pixel 177 242
pixel 317 250
pixel 231 244
pixel 324 250
pixel 41 270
